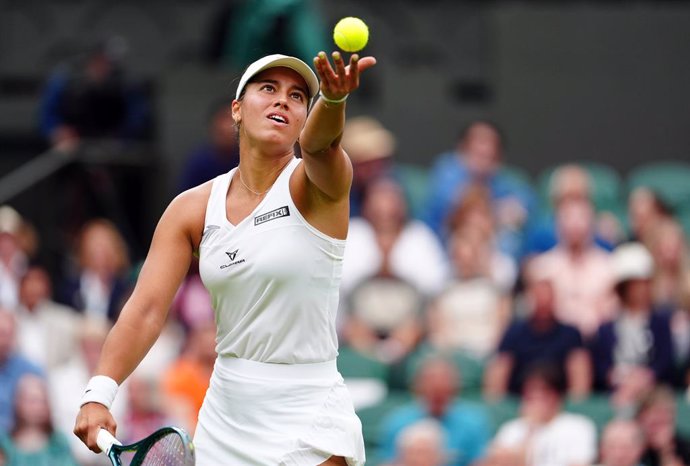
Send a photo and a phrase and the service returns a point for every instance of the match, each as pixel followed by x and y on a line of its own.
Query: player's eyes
pixel 297 96
pixel 267 87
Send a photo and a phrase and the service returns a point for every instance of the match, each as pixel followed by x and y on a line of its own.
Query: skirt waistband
pixel 316 370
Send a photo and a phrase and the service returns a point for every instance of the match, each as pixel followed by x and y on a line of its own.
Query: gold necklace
pixel 269 188
pixel 250 189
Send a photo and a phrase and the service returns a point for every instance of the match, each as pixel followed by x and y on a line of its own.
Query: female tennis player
pixel 270 239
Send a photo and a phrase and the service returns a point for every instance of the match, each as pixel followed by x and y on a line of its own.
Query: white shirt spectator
pixel 47 336
pixel 569 439
pixel 66 384
pixel 417 257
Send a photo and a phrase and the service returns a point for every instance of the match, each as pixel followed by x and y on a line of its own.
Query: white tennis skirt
pixel 261 414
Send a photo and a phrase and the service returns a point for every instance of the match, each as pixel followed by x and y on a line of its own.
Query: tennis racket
pixel 169 446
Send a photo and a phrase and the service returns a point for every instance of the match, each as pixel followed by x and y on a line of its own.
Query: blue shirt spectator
pixel 567 182
pixel 540 339
pixel 205 163
pixel 635 350
pixel 218 155
pixel 466 425
pixel 528 345
pixel 12 368
pixel 656 354
pixel 93 99
pixel 477 159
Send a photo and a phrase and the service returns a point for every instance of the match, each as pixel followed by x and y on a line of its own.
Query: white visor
pixel 277 60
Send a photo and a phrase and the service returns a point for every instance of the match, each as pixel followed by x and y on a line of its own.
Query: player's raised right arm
pixel 143 316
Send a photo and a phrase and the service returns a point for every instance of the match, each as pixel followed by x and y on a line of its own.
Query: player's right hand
pixel 91 418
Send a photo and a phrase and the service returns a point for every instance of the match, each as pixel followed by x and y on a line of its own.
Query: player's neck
pixel 259 171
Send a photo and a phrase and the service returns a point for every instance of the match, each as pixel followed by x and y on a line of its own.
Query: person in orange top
pixel 187 380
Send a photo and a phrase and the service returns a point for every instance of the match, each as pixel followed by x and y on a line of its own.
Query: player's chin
pixel 280 137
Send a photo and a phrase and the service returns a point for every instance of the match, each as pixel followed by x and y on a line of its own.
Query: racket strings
pixel 169 450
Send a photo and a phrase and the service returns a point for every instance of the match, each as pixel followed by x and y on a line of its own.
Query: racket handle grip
pixel 105 440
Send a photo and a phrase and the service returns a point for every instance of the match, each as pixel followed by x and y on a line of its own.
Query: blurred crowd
pixel 487 316
pixel 481 321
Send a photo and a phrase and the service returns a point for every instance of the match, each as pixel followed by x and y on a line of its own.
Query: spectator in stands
pixel 185 382
pixel 567 182
pixel 466 426
pixel 93 99
pixel 634 350
pixel 471 313
pixel 242 32
pixel 216 156
pixel 680 331
pixel 99 285
pixel 474 216
pixel 13 260
pixel 12 368
pixel 47 330
pixel 477 159
pixel 370 147
pixel 667 243
pixel 622 443
pixel 538 339
pixel 545 435
pixel 384 242
pixel 192 304
pixel 657 416
pixel 421 444
pixel 33 440
pixel 645 210
pixel 66 383
pixel 383 320
pixel 146 410
pixel 579 270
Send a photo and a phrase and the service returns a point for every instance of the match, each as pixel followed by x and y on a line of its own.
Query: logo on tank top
pixel 232 255
pixel 272 215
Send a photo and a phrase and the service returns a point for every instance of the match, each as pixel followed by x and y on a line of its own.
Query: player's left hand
pixel 338 81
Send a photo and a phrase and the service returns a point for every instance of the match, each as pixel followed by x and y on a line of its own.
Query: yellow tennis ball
pixel 351 34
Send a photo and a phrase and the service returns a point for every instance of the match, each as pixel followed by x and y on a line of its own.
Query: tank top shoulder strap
pixel 216 209
pixel 282 185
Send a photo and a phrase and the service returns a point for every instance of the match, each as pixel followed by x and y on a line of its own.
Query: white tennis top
pixel 273 278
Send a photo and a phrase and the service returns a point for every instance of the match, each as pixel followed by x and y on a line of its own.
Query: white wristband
pixel 100 389
pixel 333 101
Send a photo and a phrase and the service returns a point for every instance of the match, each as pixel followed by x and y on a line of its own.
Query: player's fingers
pixel 81 429
pixel 339 67
pixel 91 439
pixel 353 73
pixel 320 68
pixel 365 63
pixel 325 71
pixel 111 426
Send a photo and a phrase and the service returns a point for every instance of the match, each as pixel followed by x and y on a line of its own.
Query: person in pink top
pixel 581 272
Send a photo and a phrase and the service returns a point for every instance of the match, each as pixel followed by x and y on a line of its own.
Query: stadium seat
pixel 669 179
pixel 356 365
pixel 415 179
pixel 517 174
pixel 683 216
pixel 503 411
pixel 372 417
pixel 596 407
pixel 683 415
